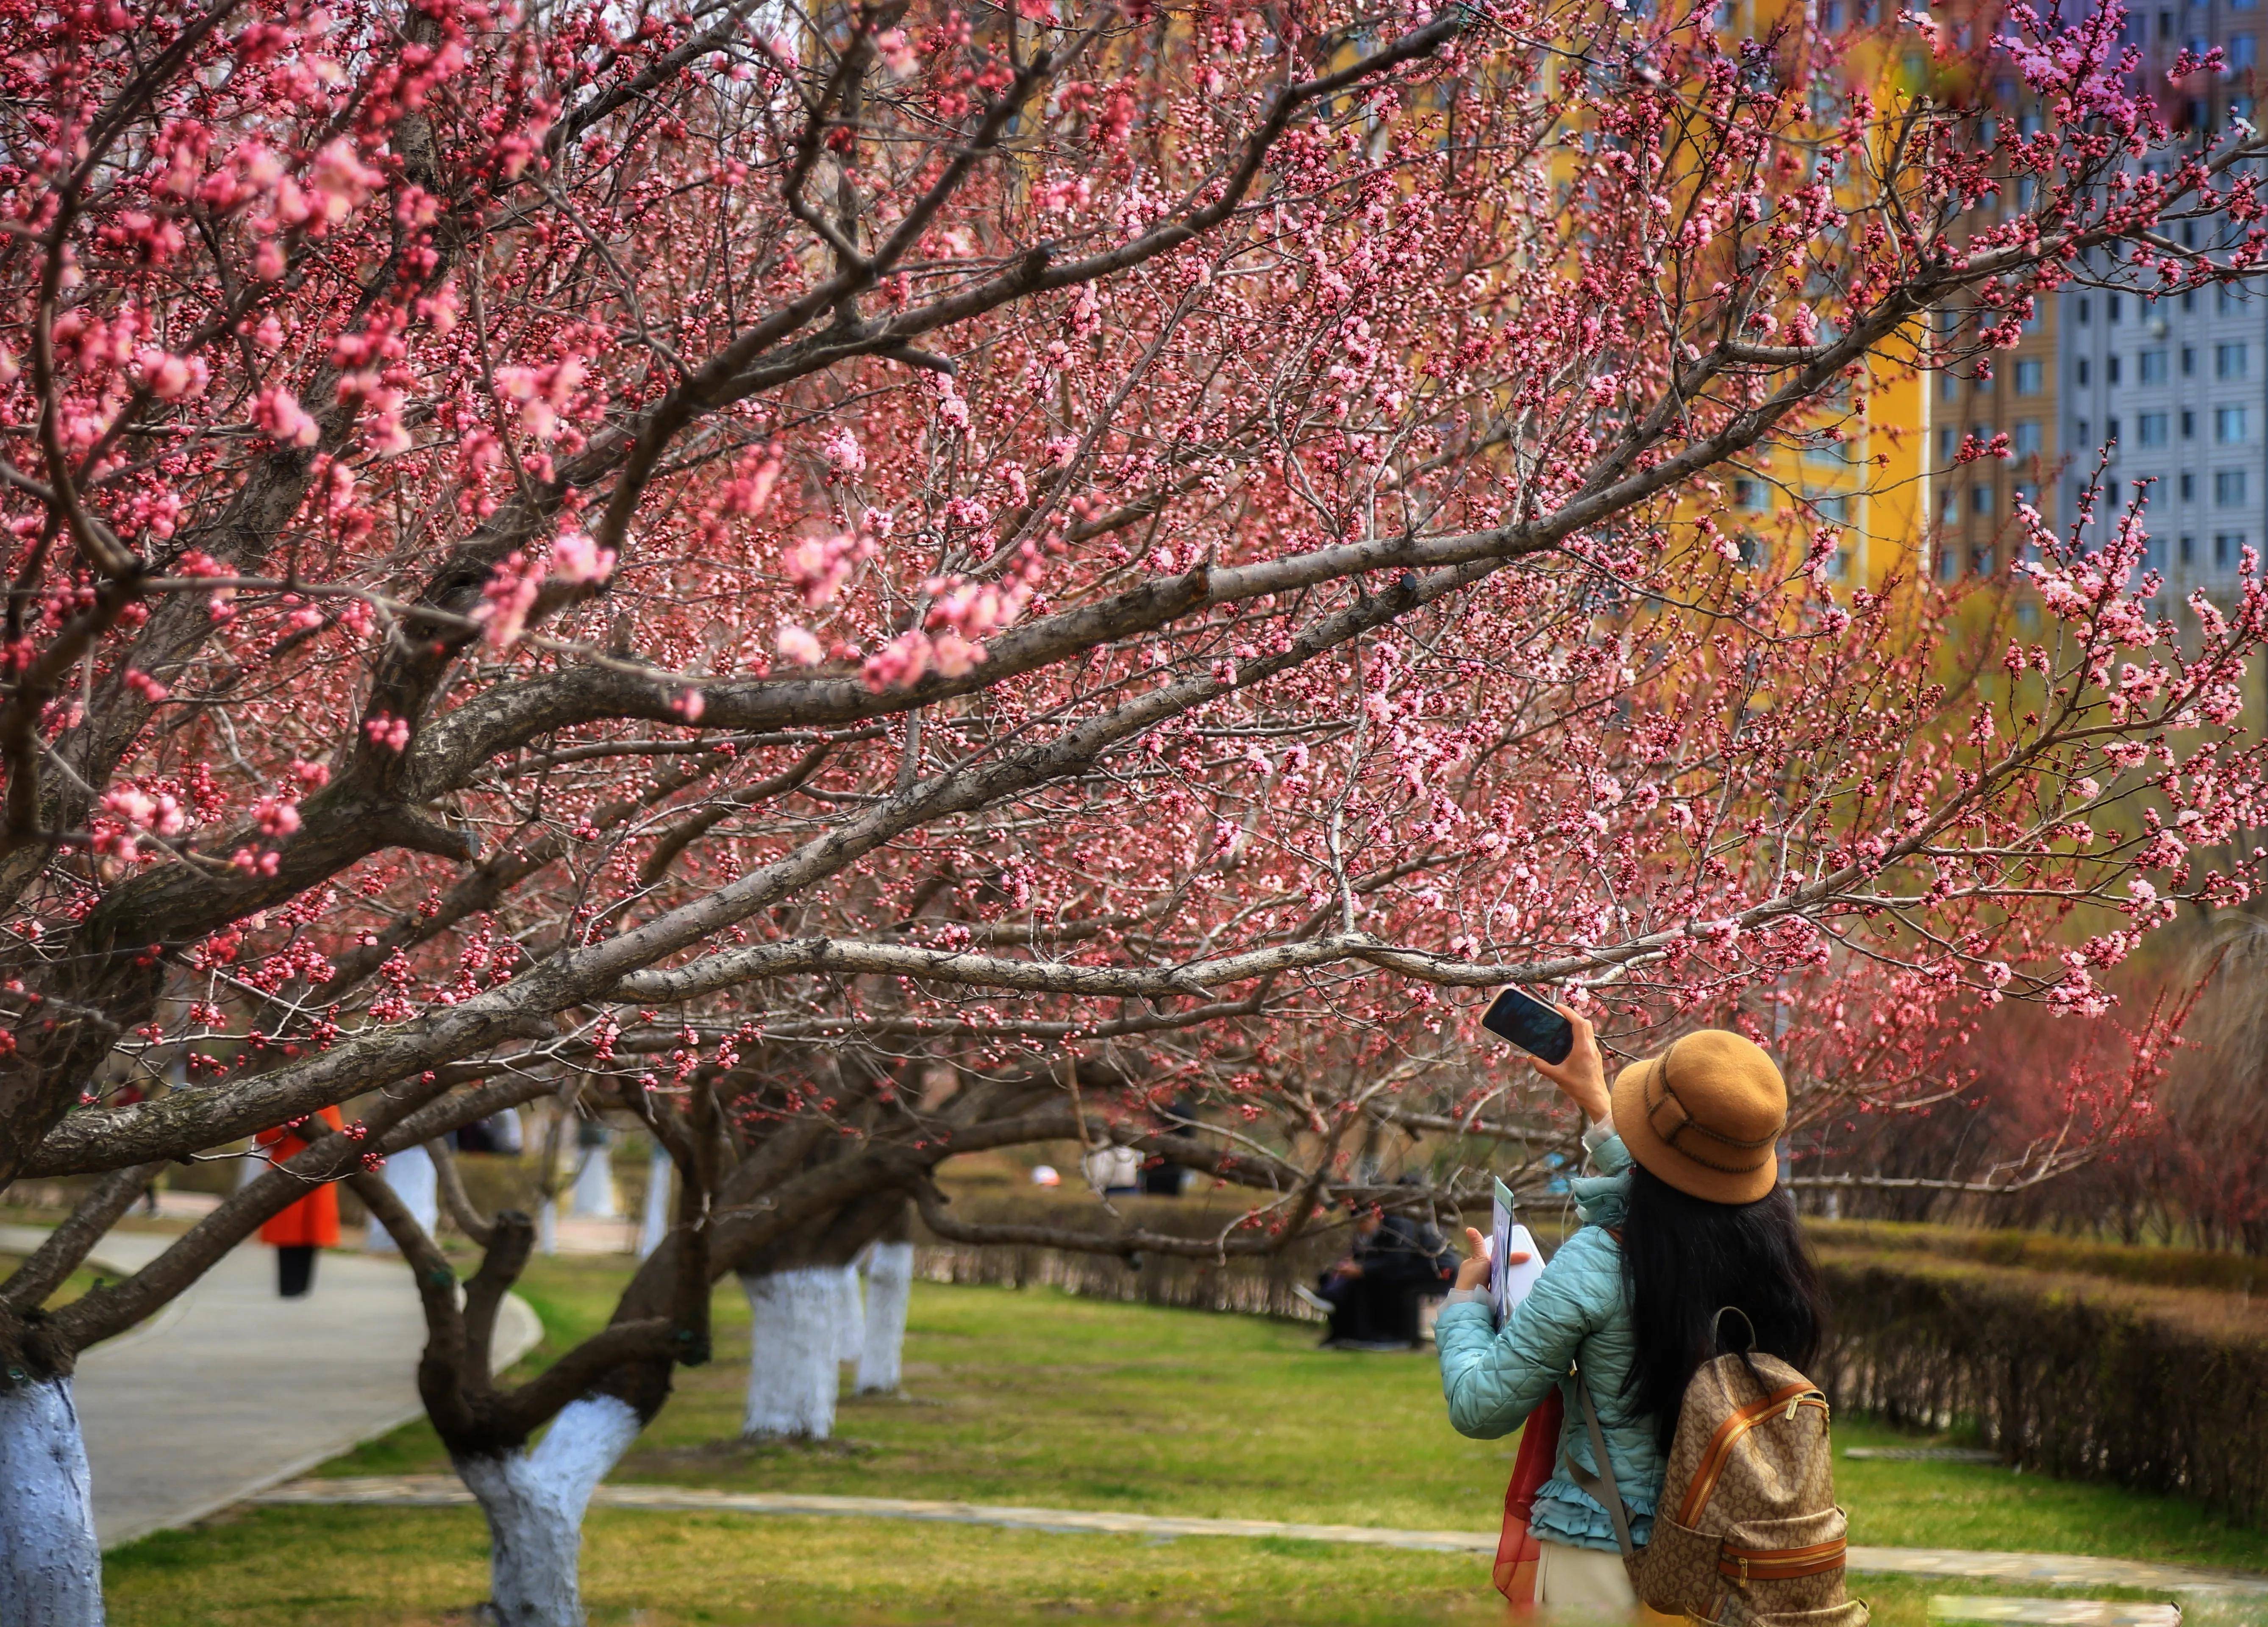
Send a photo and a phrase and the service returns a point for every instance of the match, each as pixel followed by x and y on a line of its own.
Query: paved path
pixel 2056 1612
pixel 2050 1570
pixel 230 1389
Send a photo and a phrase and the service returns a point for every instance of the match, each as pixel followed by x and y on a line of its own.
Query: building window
pixel 2189 487
pixel 2228 360
pixel 2026 440
pixel 2150 429
pixel 2110 370
pixel 2225 547
pixel 2031 377
pixel 2228 425
pixel 2152 367
pixel 2189 425
pixel 2085 314
pixel 2079 432
pixel 2024 497
pixel 1980 562
pixel 2189 550
pixel 1949 510
pixel 2243 50
pixel 2228 488
pixel 1948 443
pixel 1948 385
pixel 1949 564
pixel 2111 429
pixel 2083 369
pixel 2117 304
pixel 1980 499
pixel 2189 356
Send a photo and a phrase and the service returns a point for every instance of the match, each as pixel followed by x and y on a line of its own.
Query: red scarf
pixel 1517 1549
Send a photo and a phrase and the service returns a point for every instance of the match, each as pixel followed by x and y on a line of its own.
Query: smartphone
pixel 1528 1023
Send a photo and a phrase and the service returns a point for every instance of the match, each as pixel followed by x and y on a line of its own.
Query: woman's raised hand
pixel 1582 1077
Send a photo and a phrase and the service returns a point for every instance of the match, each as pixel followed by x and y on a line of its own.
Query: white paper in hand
pixel 1508 1284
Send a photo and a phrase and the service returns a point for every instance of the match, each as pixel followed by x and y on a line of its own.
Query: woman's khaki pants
pixel 1585 1581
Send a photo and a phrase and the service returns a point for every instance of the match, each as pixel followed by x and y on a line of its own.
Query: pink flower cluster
pixel 819 566
pixel 541 392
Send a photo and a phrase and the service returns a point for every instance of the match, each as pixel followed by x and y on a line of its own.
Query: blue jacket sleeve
pixel 1493 1380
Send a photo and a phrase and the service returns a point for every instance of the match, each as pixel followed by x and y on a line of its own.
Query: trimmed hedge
pixel 2046 1251
pixel 1258 1285
pixel 2161 1391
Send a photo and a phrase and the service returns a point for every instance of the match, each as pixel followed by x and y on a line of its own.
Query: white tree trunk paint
pixel 411 1174
pixel 889 1282
pixel 795 1340
pixel 505 1130
pixel 655 1225
pixel 594 1187
pixel 50 1564
pixel 534 1502
pixel 851 1324
pixel 546 1227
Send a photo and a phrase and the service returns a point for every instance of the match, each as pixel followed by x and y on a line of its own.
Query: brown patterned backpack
pixel 1748 1531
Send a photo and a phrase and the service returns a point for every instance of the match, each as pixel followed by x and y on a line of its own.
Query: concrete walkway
pixel 230 1389
pixel 2047 1569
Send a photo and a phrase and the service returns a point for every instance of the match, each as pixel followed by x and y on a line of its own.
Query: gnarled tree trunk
pixel 796 1342
pixel 50 1564
pixel 534 1498
pixel 889 1285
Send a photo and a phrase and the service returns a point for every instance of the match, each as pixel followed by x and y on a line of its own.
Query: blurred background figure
pixel 1370 1299
pixel 310 1224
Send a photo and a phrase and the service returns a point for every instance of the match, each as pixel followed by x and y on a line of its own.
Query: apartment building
pixel 1974 504
pixel 2177 386
pixel 2178 390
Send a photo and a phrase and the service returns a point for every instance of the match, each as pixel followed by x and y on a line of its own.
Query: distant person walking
pixel 309 1224
pixel 1698 1223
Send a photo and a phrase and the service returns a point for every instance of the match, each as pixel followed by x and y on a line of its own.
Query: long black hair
pixel 1684 1260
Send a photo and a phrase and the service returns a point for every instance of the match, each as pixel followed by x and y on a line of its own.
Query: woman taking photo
pixel 1685 1217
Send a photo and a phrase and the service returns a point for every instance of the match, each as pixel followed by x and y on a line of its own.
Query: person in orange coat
pixel 309 1224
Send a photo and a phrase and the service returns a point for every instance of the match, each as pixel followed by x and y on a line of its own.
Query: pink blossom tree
pixel 730 561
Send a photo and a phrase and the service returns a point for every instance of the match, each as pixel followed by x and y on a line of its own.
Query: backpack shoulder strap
pixel 1601 1486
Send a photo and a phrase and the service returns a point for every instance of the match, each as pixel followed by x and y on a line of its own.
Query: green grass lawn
pixel 1037 1398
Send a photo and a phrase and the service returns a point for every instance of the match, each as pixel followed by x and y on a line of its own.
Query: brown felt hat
pixel 1705 1116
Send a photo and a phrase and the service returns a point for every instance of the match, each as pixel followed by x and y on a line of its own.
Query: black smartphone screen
pixel 1531 1024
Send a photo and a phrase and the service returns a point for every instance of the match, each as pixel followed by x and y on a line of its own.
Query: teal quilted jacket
pixel 1575 1314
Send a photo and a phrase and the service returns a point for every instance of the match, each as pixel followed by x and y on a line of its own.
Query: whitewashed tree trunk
pixel 534 1502
pixel 655 1225
pixel 50 1564
pixel 795 1335
pixel 594 1187
pixel 850 1323
pixel 889 1284
pixel 546 1227
pixel 411 1174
